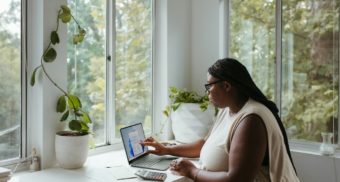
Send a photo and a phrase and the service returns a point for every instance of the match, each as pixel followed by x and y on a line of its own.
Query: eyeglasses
pixel 209 85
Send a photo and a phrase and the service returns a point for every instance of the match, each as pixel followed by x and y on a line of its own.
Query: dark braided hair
pixel 231 70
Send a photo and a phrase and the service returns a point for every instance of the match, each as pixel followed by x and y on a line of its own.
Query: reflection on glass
pixel 310 61
pixel 10 79
pixel 133 63
pixel 252 40
pixel 86 62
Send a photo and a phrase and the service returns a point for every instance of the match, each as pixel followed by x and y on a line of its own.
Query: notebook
pixel 137 154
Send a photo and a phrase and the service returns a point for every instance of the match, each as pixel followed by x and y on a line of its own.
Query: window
pixel 310 68
pixel 252 40
pixel 105 66
pixel 87 63
pixel 11 81
pixel 133 63
pixel 305 46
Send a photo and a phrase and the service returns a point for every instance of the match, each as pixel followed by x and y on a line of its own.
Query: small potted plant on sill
pixel 71 145
pixel 191 115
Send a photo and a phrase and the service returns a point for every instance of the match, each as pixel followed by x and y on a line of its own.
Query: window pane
pixel 133 63
pixel 86 62
pixel 310 62
pixel 10 79
pixel 252 40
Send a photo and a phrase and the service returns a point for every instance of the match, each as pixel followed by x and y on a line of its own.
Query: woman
pixel 247 142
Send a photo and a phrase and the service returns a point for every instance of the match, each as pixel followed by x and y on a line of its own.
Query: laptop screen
pixel 132 136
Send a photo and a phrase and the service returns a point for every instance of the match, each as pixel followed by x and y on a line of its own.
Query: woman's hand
pixel 159 149
pixel 183 167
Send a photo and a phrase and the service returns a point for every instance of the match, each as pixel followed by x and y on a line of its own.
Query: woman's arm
pixel 247 151
pixel 191 150
pixel 183 150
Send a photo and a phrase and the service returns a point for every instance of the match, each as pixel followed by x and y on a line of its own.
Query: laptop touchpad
pixel 162 165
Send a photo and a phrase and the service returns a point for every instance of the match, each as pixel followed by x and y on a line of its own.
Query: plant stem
pixel 75 20
pixel 47 75
pixel 42 58
pixel 49 78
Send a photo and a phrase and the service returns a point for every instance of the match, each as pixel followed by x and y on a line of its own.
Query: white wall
pixel 172 54
pixel 41 116
pixel 187 42
pixel 205 41
pixel 179 42
pixel 312 167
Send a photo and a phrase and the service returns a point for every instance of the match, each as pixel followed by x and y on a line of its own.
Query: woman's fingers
pixel 151 144
pixel 149 139
pixel 173 165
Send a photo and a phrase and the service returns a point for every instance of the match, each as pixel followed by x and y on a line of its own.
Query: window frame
pixel 24 152
pixel 112 143
pixel 23 79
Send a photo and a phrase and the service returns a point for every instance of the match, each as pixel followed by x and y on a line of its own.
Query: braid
pixel 231 70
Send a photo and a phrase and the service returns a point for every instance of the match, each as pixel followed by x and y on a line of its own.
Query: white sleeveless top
pixel 214 153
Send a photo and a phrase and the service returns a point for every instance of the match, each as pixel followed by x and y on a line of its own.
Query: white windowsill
pixel 311 148
pixel 96 169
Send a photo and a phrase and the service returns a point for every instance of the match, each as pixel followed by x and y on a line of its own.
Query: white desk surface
pixel 95 170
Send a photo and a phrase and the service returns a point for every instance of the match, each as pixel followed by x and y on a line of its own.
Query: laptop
pixel 137 154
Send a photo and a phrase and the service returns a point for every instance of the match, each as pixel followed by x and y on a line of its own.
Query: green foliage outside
pixel 10 79
pixel 310 53
pixel 132 68
pixel 134 63
pixel 86 62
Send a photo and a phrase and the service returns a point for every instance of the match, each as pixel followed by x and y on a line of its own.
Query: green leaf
pixel 65 18
pixel 173 90
pixel 175 106
pixel 61 104
pixel 166 111
pixel 78 39
pixel 54 37
pixel 65 15
pixel 84 126
pixel 65 9
pixel 50 55
pixel 33 76
pixel 65 116
pixel 204 106
pixel 75 125
pixel 86 118
pixel 81 31
pixel 74 102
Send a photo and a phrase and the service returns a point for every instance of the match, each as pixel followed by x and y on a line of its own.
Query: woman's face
pixel 217 92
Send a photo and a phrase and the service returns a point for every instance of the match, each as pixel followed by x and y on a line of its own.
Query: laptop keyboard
pixel 148 160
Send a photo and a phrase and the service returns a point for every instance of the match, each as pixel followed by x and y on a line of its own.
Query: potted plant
pixel 191 115
pixel 71 145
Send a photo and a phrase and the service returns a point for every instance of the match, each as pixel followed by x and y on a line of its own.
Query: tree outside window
pixel 309 62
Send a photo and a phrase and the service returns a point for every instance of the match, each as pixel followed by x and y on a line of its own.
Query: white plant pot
pixel 190 124
pixel 71 151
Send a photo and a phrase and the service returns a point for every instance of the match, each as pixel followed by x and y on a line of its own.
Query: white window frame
pixel 23 71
